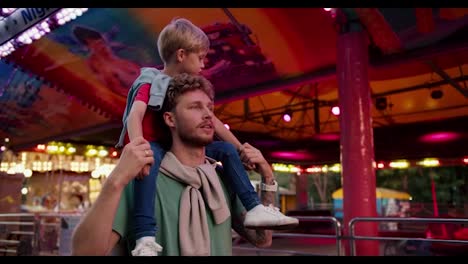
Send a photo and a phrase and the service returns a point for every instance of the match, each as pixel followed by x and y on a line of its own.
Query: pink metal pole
pixel 301 191
pixel 434 198
pixel 434 203
pixel 357 142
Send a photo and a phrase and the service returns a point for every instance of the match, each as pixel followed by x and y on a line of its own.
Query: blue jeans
pixel 234 172
pixel 145 189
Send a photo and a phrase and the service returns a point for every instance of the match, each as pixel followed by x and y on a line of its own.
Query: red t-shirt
pixel 151 124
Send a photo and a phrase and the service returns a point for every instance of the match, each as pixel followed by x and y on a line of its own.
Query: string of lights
pixel 23 26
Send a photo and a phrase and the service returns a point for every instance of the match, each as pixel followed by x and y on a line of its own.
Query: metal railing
pixel 28 230
pixel 353 237
pixel 273 251
pixel 11 225
pixel 18 229
pixel 337 236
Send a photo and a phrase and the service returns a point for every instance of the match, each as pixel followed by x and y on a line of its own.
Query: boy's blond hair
pixel 181 34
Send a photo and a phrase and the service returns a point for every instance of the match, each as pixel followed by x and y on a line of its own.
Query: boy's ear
pixel 169 119
pixel 180 55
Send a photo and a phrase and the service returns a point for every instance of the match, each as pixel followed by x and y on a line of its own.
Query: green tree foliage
pixel 450 183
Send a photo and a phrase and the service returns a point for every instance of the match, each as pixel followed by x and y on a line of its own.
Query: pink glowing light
pixel 287 118
pixel 327 136
pixel 335 110
pixel 438 137
pixel 292 155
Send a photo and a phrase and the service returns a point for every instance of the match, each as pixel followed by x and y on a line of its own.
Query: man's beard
pixel 193 140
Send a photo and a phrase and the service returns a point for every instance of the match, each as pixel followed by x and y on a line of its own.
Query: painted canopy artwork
pixel 262 61
pixel 32 110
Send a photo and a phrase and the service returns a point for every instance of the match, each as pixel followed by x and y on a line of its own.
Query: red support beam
pixel 302 198
pixel 357 139
pixel 424 20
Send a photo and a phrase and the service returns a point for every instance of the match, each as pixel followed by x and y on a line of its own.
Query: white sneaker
pixel 268 217
pixel 146 246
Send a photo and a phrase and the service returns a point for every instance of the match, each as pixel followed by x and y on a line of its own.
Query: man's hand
pixel 245 153
pixel 254 157
pixel 135 156
pixel 144 172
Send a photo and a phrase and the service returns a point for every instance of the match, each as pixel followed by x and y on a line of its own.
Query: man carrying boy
pixel 182 47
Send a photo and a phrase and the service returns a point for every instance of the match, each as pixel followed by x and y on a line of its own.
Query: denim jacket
pixel 159 83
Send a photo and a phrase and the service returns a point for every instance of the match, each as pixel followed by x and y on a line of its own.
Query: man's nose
pixel 208 114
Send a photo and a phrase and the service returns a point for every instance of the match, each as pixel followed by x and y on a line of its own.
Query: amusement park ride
pixel 407 73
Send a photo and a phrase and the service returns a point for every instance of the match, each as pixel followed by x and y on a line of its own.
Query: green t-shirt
pixel 167 203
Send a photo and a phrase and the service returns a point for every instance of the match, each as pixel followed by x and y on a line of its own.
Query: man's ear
pixel 180 55
pixel 169 119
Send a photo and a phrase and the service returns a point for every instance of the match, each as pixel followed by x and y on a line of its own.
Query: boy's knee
pixel 227 148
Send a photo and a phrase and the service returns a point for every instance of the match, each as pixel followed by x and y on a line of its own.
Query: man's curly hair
pixel 179 85
pixel 183 83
